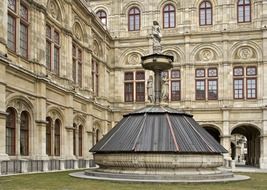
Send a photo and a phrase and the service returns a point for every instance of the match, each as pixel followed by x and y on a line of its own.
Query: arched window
pixel 48 136
pixel 80 140
pixel 24 133
pixel 169 16
pixel 244 11
pixel 134 19
pixel 74 138
pixel 11 132
pixel 57 138
pixel 205 13
pixel 102 16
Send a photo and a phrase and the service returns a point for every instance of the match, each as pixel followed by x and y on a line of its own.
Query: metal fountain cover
pixel 158 129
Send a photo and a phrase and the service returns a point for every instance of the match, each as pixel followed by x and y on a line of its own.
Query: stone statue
pixel 156 35
pixel 150 89
pixel 164 89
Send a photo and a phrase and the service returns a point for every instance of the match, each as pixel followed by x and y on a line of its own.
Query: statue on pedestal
pixel 156 35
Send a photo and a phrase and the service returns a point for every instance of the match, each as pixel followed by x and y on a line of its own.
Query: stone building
pixel 70 69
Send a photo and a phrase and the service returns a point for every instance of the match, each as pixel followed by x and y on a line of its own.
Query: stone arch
pixel 251 135
pixel 136 3
pixel 254 52
pixel 20 103
pixel 102 7
pixel 128 54
pixel 198 2
pixel 177 53
pixel 213 130
pixel 162 3
pixel 55 113
pixel 56 9
pixel 79 120
pixel 206 52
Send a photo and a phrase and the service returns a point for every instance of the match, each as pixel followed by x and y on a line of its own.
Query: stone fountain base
pixel 163 168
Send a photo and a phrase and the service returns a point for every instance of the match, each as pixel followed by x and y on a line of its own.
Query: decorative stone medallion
pixel 206 55
pixel 245 53
pixel 134 58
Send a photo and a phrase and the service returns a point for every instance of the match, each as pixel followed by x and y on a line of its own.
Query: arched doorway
pixel 246 140
pixel 213 132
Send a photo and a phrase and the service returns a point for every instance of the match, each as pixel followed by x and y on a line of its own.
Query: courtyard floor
pixel 62 181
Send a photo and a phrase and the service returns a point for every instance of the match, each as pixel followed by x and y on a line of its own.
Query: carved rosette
pixel 245 53
pixel 134 59
pixel 206 55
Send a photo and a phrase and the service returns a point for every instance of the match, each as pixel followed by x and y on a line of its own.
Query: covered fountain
pixel 158 143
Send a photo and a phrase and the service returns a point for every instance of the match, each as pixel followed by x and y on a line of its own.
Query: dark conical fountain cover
pixel 158 129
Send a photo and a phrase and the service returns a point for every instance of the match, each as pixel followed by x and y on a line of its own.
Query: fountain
pixel 158 143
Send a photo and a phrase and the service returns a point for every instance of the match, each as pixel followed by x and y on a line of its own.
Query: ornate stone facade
pixel 71 96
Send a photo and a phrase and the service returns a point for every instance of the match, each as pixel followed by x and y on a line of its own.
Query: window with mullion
pixel 205 13
pixel 168 16
pixel 102 16
pixel 134 19
pixel 244 10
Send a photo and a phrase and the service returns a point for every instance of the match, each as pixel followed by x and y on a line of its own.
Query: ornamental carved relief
pixel 54 10
pixel 134 58
pixel 245 53
pixel 77 32
pixel 19 105
pixel 206 55
pixel 96 48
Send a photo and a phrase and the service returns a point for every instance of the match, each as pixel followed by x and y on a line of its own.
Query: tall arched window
pixel 80 140
pixel 169 16
pixel 24 133
pixel 48 136
pixel 74 139
pixel 205 13
pixel 244 11
pixel 102 15
pixel 57 138
pixel 11 132
pixel 134 19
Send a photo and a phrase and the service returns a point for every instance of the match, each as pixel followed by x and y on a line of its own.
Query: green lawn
pixel 62 181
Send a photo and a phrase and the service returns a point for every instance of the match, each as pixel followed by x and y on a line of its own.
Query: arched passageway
pixel 246 145
pixel 213 132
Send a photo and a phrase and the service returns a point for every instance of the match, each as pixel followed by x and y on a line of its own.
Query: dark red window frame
pixel 168 12
pixel 241 8
pixel 11 132
pixel 134 19
pixel 102 15
pixel 57 143
pixel 49 136
pixel 207 7
pixel 24 133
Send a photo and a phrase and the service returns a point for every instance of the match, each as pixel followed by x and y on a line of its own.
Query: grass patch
pixel 62 181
